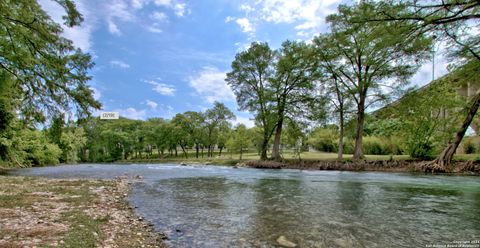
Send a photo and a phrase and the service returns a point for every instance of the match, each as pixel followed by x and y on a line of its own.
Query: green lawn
pixel 233 158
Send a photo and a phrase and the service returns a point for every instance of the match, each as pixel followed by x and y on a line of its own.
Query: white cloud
pixel 247 8
pixel 210 84
pixel 163 2
pixel 308 16
pixel 153 105
pixel 80 35
pixel 120 64
pixel 245 24
pixel 248 122
pixel 96 93
pixel 180 9
pixel 159 16
pixel 117 10
pixel 154 29
pixel 112 13
pixel 113 29
pixel 132 113
pixel 229 19
pixel 162 89
pixel 138 4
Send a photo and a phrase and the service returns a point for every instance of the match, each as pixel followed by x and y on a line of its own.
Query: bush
pixel 376 146
pixel 421 150
pixel 325 146
pixel 324 139
pixel 31 148
pixel 469 147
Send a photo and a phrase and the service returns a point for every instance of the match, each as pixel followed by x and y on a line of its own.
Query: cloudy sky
pixel 155 58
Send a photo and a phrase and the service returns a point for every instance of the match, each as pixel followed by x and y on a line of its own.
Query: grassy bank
pixel 38 212
pixel 463 163
pixel 233 159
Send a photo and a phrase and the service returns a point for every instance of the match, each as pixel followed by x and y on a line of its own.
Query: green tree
pixel 197 129
pixel 7 116
pixel 334 89
pixel 452 21
pixel 371 57
pixel 56 129
pixel 50 74
pixel 161 137
pixel 251 71
pixel 240 140
pixel 216 118
pixel 425 117
pixel 182 130
pixel 72 140
pixel 295 72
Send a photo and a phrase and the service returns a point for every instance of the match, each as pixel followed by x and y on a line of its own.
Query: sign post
pixel 109 116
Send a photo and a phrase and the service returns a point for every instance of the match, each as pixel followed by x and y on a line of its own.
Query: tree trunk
pixel 220 151
pixel 263 154
pixel 241 152
pixel 176 152
pixel 358 152
pixel 196 150
pixel 340 139
pixel 277 139
pixel 444 160
pixel 184 152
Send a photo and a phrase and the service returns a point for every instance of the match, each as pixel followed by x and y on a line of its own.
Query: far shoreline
pixel 468 167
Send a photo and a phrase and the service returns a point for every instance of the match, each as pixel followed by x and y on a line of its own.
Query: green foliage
pixel 469 147
pixel 249 79
pixel 240 140
pixel 31 148
pixel 217 123
pixel 71 141
pixel 275 85
pixel 50 73
pixel 368 56
pixel 376 146
pixel 425 118
pixel 324 139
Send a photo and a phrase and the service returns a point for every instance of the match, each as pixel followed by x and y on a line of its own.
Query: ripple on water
pixel 209 206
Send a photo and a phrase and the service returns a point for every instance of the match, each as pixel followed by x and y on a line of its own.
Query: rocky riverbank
pixel 460 167
pixel 39 212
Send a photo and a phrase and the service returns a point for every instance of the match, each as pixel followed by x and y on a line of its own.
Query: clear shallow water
pixel 213 206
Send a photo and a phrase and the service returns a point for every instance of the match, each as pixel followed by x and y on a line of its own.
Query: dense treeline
pixel 363 62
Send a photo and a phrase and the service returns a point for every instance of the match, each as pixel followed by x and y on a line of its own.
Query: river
pixel 216 206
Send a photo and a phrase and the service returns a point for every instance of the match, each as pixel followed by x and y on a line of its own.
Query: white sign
pixel 109 115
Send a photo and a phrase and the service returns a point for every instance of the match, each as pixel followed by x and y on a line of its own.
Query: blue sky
pixel 156 58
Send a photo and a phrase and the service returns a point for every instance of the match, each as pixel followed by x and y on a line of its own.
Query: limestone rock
pixel 285 242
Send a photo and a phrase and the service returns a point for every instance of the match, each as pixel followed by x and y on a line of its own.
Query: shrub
pixel 376 146
pixel 324 139
pixel 469 147
pixel 421 150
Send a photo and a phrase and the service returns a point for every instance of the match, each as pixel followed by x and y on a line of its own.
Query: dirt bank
pixel 461 167
pixel 38 212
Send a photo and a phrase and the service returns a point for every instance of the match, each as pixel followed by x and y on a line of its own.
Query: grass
pixel 84 231
pixel 231 159
pixel 228 158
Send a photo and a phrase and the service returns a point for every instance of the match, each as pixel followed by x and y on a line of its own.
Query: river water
pixel 216 206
